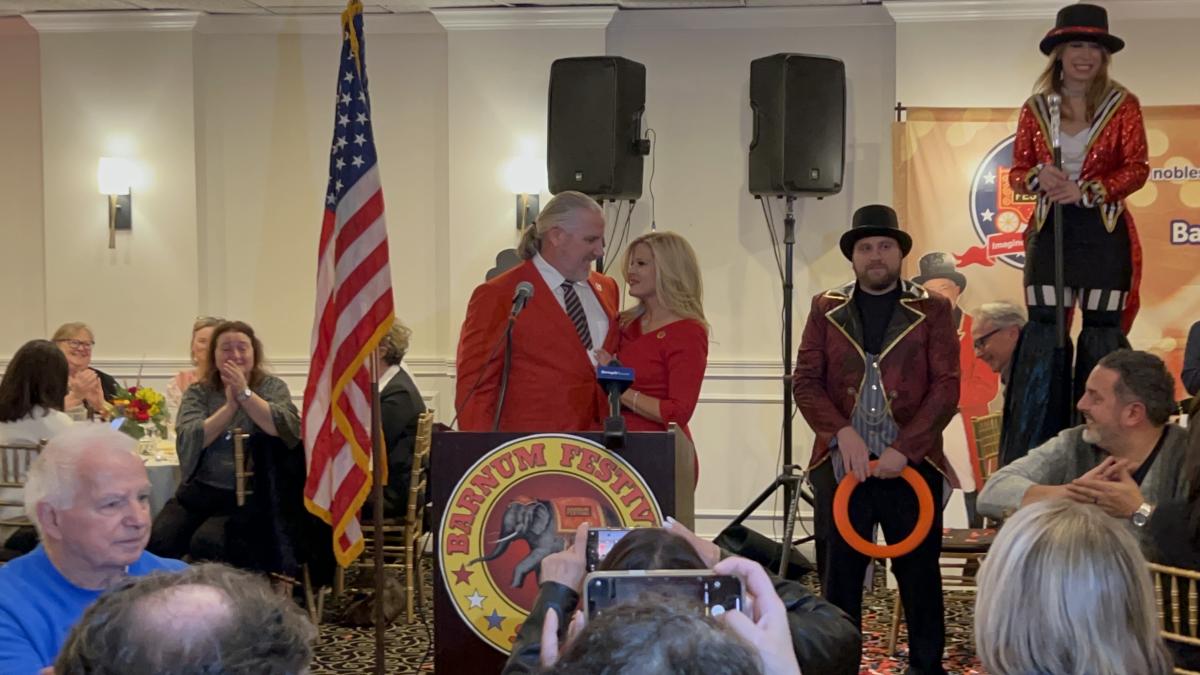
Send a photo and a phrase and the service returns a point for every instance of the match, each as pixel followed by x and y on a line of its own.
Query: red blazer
pixel 1116 166
pixel 919 363
pixel 979 387
pixel 552 384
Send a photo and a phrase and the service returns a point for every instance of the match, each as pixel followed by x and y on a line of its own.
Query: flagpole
pixel 377 511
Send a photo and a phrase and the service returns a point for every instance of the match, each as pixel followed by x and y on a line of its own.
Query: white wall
pixel 22 263
pixel 122 93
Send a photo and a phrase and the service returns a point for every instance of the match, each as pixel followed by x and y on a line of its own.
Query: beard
pixel 878 282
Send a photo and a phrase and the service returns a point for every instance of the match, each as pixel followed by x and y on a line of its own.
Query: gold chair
pixel 402 541
pixel 314 602
pixel 1178 610
pixel 15 460
pixel 987 443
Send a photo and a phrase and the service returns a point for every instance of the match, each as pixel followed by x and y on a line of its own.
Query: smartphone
pixel 715 593
pixel 600 541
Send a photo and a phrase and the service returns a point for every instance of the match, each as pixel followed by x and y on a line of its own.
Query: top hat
pixel 874 220
pixel 1081 22
pixel 938 265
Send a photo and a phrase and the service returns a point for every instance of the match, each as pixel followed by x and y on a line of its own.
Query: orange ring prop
pixel 841 517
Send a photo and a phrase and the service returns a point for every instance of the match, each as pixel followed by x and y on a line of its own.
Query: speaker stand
pixel 792 477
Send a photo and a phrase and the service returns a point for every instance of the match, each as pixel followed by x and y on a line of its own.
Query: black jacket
pixel 400 405
pixel 825 640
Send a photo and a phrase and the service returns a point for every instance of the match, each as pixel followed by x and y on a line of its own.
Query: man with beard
pixel 1126 457
pixel 877 378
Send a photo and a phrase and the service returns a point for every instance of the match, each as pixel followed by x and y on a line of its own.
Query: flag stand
pixel 377 512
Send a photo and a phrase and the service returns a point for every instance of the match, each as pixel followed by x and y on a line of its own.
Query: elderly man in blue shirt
pixel 88 495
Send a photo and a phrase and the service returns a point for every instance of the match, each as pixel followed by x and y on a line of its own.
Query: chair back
pixel 1178 606
pixel 15 460
pixel 987 443
pixel 417 490
pixel 241 466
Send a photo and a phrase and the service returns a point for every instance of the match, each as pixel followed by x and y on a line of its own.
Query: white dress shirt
pixel 596 317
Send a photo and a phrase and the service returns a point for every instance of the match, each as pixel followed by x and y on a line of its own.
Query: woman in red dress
pixel 665 337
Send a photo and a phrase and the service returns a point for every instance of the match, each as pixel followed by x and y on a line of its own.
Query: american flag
pixel 353 309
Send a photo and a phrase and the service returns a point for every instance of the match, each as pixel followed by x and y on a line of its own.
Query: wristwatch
pixel 1142 515
pixel 244 395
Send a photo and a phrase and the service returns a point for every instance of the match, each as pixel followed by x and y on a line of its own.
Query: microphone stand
pixel 508 341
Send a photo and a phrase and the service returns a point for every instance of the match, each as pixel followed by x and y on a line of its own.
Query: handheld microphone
pixel 614 379
pixel 521 295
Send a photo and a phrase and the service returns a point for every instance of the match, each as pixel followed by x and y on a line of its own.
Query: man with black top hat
pixel 1104 160
pixel 877 378
pixel 979 383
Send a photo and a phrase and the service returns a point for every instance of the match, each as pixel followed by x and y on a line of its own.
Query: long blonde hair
pixel 1051 81
pixel 558 213
pixel 677 281
pixel 1065 590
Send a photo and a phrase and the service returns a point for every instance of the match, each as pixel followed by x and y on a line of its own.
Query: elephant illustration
pixel 546 525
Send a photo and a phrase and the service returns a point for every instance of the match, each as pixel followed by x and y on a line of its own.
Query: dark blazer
pixel 108 384
pixel 400 405
pixel 919 360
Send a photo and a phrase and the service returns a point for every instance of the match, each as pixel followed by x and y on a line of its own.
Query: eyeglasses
pixel 79 344
pixel 981 341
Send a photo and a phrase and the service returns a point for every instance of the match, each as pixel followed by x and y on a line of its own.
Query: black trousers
pixel 193 523
pixel 893 505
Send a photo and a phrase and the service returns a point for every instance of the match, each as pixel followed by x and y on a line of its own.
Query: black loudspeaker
pixel 594 142
pixel 799 107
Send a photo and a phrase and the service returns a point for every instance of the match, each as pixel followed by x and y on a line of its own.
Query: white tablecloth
pixel 163 469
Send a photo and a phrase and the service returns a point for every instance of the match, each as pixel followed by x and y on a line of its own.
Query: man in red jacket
pixel 573 312
pixel 877 379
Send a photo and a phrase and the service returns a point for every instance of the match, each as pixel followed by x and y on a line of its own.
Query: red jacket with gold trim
pixel 1115 166
pixel 919 363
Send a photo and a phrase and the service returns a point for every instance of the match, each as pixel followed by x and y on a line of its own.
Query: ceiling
pixel 292 7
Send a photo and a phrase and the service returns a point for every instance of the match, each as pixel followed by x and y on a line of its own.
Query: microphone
pixel 521 295
pixel 614 379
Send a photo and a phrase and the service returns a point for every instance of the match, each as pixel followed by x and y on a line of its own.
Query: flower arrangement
pixel 140 406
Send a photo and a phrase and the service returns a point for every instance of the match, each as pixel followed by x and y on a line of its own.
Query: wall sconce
pixel 114 178
pixel 527 210
pixel 525 176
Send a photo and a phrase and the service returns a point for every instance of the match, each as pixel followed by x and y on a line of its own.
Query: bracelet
pixel 636 393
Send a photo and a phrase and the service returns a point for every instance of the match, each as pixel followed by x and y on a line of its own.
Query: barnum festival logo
pixel 999 216
pixel 519 503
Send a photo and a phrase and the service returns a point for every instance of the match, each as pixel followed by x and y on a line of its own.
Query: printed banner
pixel 952 195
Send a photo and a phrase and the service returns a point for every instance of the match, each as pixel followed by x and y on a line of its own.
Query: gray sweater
pixel 1066 457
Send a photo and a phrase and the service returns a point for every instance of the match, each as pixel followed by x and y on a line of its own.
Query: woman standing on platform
pixel 1104 160
pixel 664 339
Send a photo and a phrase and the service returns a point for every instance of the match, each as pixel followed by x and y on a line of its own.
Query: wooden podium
pixel 664 461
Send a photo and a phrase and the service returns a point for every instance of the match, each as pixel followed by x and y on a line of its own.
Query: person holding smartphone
pixel 807 630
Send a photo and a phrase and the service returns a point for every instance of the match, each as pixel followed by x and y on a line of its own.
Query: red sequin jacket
pixel 1114 167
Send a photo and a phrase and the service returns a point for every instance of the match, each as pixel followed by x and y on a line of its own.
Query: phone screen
pixel 600 542
pixel 715 593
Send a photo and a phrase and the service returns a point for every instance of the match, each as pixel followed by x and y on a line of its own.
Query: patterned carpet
pixel 343 649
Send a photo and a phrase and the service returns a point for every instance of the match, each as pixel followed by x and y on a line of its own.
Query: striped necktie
pixel 576 313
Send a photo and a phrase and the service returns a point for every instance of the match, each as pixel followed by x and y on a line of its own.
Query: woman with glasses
pixel 86 387
pixel 202 331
